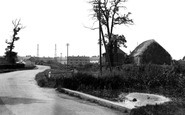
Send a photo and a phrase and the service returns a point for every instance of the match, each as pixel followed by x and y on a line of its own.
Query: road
pixel 20 95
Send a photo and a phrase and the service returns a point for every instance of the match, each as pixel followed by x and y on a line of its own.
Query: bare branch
pixel 14 23
pixel 91 28
pixel 17 24
pixel 115 10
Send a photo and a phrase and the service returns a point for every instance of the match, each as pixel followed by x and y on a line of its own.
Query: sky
pixel 50 22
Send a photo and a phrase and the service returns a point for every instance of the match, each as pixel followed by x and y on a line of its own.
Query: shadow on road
pixel 17 100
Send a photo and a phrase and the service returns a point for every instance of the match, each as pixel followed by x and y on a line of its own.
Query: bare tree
pixel 9 54
pixel 107 12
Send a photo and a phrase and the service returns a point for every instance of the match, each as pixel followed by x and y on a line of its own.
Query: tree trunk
pixel 110 53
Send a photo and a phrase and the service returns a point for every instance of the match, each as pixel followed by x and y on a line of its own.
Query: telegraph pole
pixel 100 60
pixel 67 52
pixel 61 58
pixel 37 50
pixel 55 51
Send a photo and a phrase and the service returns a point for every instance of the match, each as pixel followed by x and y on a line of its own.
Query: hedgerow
pixel 168 80
pixel 137 78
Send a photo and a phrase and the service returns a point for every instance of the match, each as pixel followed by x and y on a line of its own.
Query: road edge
pixel 100 101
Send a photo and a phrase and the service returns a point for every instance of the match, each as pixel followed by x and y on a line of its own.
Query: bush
pixel 55 80
pixel 150 78
pixel 11 57
pixel 30 64
pixel 161 79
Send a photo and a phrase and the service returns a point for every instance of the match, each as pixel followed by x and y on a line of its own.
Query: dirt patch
pixel 133 100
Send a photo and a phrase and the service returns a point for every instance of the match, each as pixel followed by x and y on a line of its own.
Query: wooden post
pixel 99 5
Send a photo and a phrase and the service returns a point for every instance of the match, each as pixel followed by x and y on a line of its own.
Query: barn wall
pixel 138 60
pixel 156 54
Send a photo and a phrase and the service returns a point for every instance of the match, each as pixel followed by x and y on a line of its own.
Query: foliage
pixel 91 67
pixel 57 76
pixel 160 79
pixel 143 77
pixel 108 13
pixel 148 78
pixel 11 57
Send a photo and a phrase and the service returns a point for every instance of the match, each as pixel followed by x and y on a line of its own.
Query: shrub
pixel 161 79
pixel 11 57
pixel 151 78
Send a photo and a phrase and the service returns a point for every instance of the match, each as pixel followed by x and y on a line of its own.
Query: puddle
pixel 133 100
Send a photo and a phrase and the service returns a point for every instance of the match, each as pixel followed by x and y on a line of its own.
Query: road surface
pixel 20 95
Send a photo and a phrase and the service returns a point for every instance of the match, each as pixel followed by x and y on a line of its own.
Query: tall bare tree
pixel 9 54
pixel 107 12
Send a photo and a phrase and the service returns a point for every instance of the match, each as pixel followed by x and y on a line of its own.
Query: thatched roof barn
pixel 150 52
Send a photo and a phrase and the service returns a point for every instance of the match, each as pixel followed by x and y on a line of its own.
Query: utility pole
pixel 37 50
pixel 100 60
pixel 61 58
pixel 55 55
pixel 67 52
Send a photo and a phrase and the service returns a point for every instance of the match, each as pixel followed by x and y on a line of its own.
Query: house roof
pixel 119 51
pixel 138 51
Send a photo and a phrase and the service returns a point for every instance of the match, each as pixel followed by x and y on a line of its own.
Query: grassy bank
pixel 164 80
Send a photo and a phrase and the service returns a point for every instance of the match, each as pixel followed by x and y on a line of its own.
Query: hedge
pixel 13 66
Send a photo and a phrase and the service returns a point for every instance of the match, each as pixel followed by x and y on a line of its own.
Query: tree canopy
pixel 109 14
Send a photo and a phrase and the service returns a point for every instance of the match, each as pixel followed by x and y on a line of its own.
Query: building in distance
pixel 94 59
pixel 72 60
pixel 78 60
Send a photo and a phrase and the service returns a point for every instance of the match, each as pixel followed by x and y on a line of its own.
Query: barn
pixel 150 52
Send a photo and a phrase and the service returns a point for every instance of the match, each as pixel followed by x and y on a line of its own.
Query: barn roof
pixel 138 51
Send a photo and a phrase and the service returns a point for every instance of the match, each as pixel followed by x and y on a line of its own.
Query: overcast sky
pixel 50 22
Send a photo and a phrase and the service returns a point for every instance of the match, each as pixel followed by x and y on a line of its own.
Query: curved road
pixel 20 95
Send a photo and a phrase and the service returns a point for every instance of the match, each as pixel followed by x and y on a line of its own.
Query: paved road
pixel 20 95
